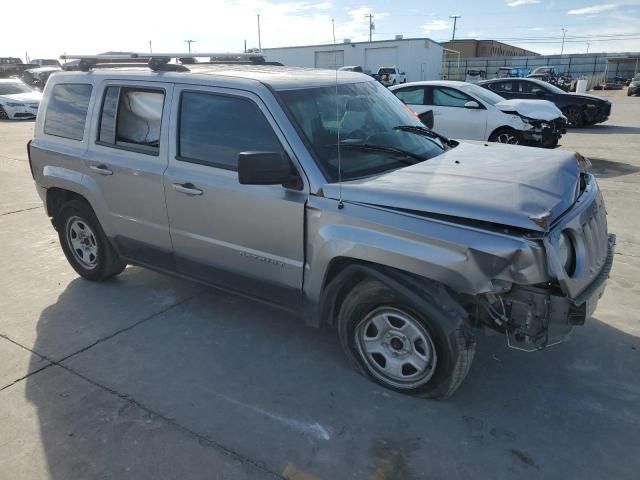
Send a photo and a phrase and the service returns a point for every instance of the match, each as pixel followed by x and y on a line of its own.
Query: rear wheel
pixel 387 339
pixel 84 243
pixel 506 135
pixel 575 116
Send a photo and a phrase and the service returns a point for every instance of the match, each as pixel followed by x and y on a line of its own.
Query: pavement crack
pixel 202 439
pixel 21 210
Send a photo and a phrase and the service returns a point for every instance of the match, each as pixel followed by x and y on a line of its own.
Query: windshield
pixel 483 94
pixel 369 115
pixel 13 88
pixel 387 71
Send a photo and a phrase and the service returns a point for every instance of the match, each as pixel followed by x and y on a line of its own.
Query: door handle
pixel 187 188
pixel 101 169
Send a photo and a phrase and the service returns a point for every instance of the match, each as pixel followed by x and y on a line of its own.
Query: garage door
pixel 374 58
pixel 332 59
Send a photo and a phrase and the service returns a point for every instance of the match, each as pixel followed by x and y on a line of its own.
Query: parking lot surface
pixel 151 377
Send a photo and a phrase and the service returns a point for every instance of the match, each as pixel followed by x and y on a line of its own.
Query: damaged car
pixel 324 196
pixel 18 100
pixel 465 111
pixel 581 109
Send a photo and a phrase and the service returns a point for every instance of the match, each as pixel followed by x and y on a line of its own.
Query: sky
pixel 47 29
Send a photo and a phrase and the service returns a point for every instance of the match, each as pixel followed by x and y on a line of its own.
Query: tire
pixel 84 243
pixel 432 365
pixel 575 116
pixel 507 136
pixel 3 114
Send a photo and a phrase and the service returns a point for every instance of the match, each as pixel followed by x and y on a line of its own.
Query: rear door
pixel 126 162
pixel 248 238
pixel 452 119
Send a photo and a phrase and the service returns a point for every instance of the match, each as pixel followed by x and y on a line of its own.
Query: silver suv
pixel 324 195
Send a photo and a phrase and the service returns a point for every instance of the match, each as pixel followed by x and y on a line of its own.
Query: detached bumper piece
pixel 538 317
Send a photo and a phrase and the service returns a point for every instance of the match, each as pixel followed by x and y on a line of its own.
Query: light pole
pixel 189 42
pixel 455 21
pixel 150 49
pixel 564 33
pixel 259 39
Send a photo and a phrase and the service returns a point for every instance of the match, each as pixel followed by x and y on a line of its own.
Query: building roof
pixel 343 44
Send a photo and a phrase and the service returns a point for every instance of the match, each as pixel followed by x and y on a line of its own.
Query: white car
pixel 18 100
pixel 466 111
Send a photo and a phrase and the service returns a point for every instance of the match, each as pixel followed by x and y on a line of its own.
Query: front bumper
pixel 545 134
pixel 598 114
pixel 22 112
pixel 539 317
pixel 634 89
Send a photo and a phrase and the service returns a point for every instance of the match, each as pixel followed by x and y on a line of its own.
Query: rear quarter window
pixel 67 110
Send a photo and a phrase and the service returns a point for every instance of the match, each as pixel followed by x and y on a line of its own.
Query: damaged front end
pixel 579 253
pixel 543 133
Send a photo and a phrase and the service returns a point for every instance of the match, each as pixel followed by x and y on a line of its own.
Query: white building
pixel 420 58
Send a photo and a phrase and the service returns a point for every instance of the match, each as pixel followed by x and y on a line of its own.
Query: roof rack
pixel 160 61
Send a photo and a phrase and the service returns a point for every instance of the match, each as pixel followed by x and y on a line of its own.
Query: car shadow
pixel 257 381
pixel 610 169
pixel 607 130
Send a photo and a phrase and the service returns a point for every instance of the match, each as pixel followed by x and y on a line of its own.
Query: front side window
pixel 448 97
pixel 67 110
pixel 131 118
pixel 366 120
pixel 214 129
pixel 411 95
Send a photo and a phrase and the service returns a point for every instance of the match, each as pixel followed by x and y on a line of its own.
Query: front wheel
pixel 84 243
pixel 506 135
pixel 387 339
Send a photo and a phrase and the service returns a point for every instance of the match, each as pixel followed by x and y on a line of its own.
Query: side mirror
pixel 427 118
pixel 472 104
pixel 266 168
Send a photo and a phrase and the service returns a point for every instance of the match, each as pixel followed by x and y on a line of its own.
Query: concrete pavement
pixel 148 376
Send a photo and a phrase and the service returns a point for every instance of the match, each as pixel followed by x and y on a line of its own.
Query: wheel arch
pixel 500 128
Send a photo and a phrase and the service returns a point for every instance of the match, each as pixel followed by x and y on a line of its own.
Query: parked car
pixel 18 100
pixel 37 77
pixel 351 68
pixel 579 108
pixel 10 66
pixel 634 86
pixel 361 218
pixel 465 111
pixel 474 76
pixel 388 76
pixel 46 62
pixel 512 72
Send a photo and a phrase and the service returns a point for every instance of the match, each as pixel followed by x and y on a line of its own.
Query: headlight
pixel 567 253
pixel 11 104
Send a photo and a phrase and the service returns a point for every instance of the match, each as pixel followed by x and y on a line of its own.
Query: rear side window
pixel 214 129
pixel 131 118
pixel 504 87
pixel 67 110
pixel 448 97
pixel 411 95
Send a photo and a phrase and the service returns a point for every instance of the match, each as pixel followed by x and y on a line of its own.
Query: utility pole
pixel 245 45
pixel 371 25
pixel 588 43
pixel 189 42
pixel 150 49
pixel 564 33
pixel 259 39
pixel 455 21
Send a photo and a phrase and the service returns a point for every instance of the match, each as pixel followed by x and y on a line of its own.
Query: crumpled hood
pixel 501 184
pixel 538 109
pixel 29 97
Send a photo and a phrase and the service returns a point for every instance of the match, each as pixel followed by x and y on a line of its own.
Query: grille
pixel 595 238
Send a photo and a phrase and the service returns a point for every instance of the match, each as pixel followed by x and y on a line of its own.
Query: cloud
pixel 436 26
pixel 519 3
pixel 594 9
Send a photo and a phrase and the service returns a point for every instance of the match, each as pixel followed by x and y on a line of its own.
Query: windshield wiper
pixel 385 149
pixel 427 132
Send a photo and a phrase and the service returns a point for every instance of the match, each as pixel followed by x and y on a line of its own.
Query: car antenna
pixel 335 63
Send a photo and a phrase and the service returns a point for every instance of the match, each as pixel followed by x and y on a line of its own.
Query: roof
pixel 450 83
pixel 279 78
pixel 346 44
